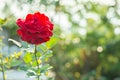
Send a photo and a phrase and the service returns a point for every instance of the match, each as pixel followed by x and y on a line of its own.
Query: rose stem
pixel 37 61
pixel 3 71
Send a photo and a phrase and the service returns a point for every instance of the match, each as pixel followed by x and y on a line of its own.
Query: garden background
pixel 87 36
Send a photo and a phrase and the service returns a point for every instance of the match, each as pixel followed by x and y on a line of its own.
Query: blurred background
pixel 87 31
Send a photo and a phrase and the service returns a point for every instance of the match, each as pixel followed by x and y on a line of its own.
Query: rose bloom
pixel 35 29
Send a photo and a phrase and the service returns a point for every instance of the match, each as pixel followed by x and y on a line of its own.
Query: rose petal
pixel 19 32
pixel 29 17
pixel 20 23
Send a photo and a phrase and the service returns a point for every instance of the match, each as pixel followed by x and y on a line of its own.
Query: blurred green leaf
pixel 39 54
pixel 48 53
pixel 52 42
pixel 31 73
pixel 24 44
pixel 23 67
pixel 51 79
pixel 42 48
pixel 34 63
pixel 45 68
pixel 15 63
pixel 27 58
pixel 2 21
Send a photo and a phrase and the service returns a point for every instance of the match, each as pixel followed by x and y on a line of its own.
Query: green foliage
pixel 15 62
pixel 36 62
pixel 52 42
pixel 31 74
pixel 2 21
pixel 45 68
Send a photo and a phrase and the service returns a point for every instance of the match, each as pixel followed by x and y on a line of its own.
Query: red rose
pixel 35 29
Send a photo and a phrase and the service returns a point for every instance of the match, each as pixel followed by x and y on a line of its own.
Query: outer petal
pixel 29 17
pixel 50 25
pixel 20 23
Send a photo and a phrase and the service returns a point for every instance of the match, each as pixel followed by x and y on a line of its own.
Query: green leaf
pixel 36 70
pixel 45 68
pixel 23 67
pixel 42 48
pixel 31 73
pixel 27 58
pixel 39 54
pixel 49 53
pixel 34 63
pixel 24 44
pixel 15 62
pixel 52 42
pixel 2 21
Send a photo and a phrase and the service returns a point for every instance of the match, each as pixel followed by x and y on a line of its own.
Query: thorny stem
pixel 38 77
